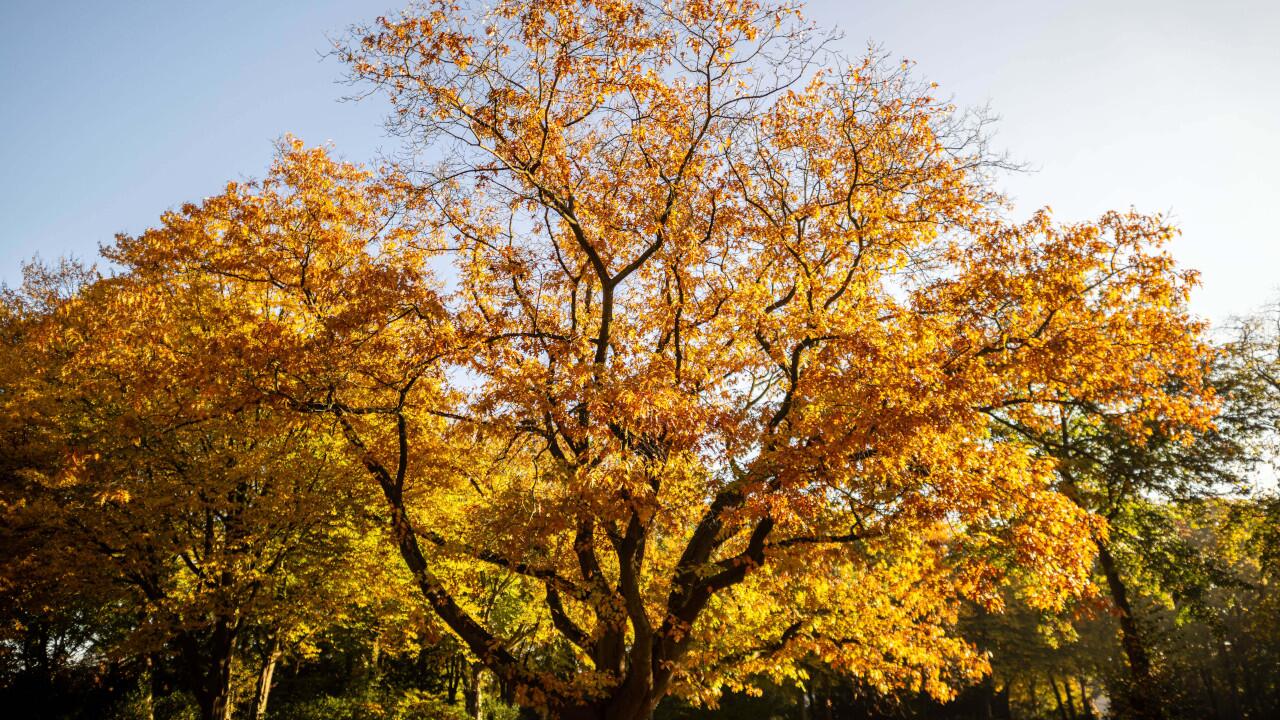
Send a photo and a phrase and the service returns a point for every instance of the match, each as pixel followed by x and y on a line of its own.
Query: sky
pixel 113 112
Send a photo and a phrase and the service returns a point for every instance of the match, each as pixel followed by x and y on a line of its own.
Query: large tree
pixel 711 362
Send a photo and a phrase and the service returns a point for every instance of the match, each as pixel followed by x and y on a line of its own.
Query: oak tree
pixel 699 331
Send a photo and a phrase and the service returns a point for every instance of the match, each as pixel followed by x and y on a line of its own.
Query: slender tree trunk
pixel 229 706
pixel 1206 676
pixel 1071 701
pixel 1086 701
pixel 1254 695
pixel 1143 698
pixel 472 697
pixel 1031 693
pixel 265 677
pixel 455 667
pixel 1233 685
pixel 149 688
pixel 1057 698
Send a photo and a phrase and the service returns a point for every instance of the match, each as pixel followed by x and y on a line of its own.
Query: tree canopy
pixel 712 340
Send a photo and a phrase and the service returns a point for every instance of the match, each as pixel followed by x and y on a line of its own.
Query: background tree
pixel 1154 489
pixel 190 518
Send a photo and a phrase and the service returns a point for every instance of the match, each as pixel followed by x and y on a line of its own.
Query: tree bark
pixel 1071 701
pixel 611 710
pixel 1233 684
pixel 1031 694
pixel 1002 709
pixel 1057 698
pixel 209 669
pixel 471 691
pixel 149 688
pixel 1086 701
pixel 1143 698
pixel 1207 678
pixel 265 676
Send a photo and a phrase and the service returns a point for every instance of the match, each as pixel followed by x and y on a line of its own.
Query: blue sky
pixel 112 112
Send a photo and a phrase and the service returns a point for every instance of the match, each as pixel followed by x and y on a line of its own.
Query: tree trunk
pixel 1031 693
pixel 471 691
pixel 987 692
pixel 149 688
pixel 213 701
pixel 1070 698
pixel 265 676
pixel 603 711
pixel 209 672
pixel 455 666
pixel 1207 678
pixel 1002 709
pixel 1086 701
pixel 1233 685
pixel 1143 698
pixel 1057 698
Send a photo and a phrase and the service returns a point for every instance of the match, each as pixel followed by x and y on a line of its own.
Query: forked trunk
pixel 622 706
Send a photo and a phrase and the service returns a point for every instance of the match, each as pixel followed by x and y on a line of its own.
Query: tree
pixel 713 365
pixel 191 518
pixel 1148 486
pixel 52 621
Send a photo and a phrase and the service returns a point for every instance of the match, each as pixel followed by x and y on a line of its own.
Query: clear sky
pixel 111 112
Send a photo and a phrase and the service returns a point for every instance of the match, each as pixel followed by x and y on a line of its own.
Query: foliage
pixel 699 359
